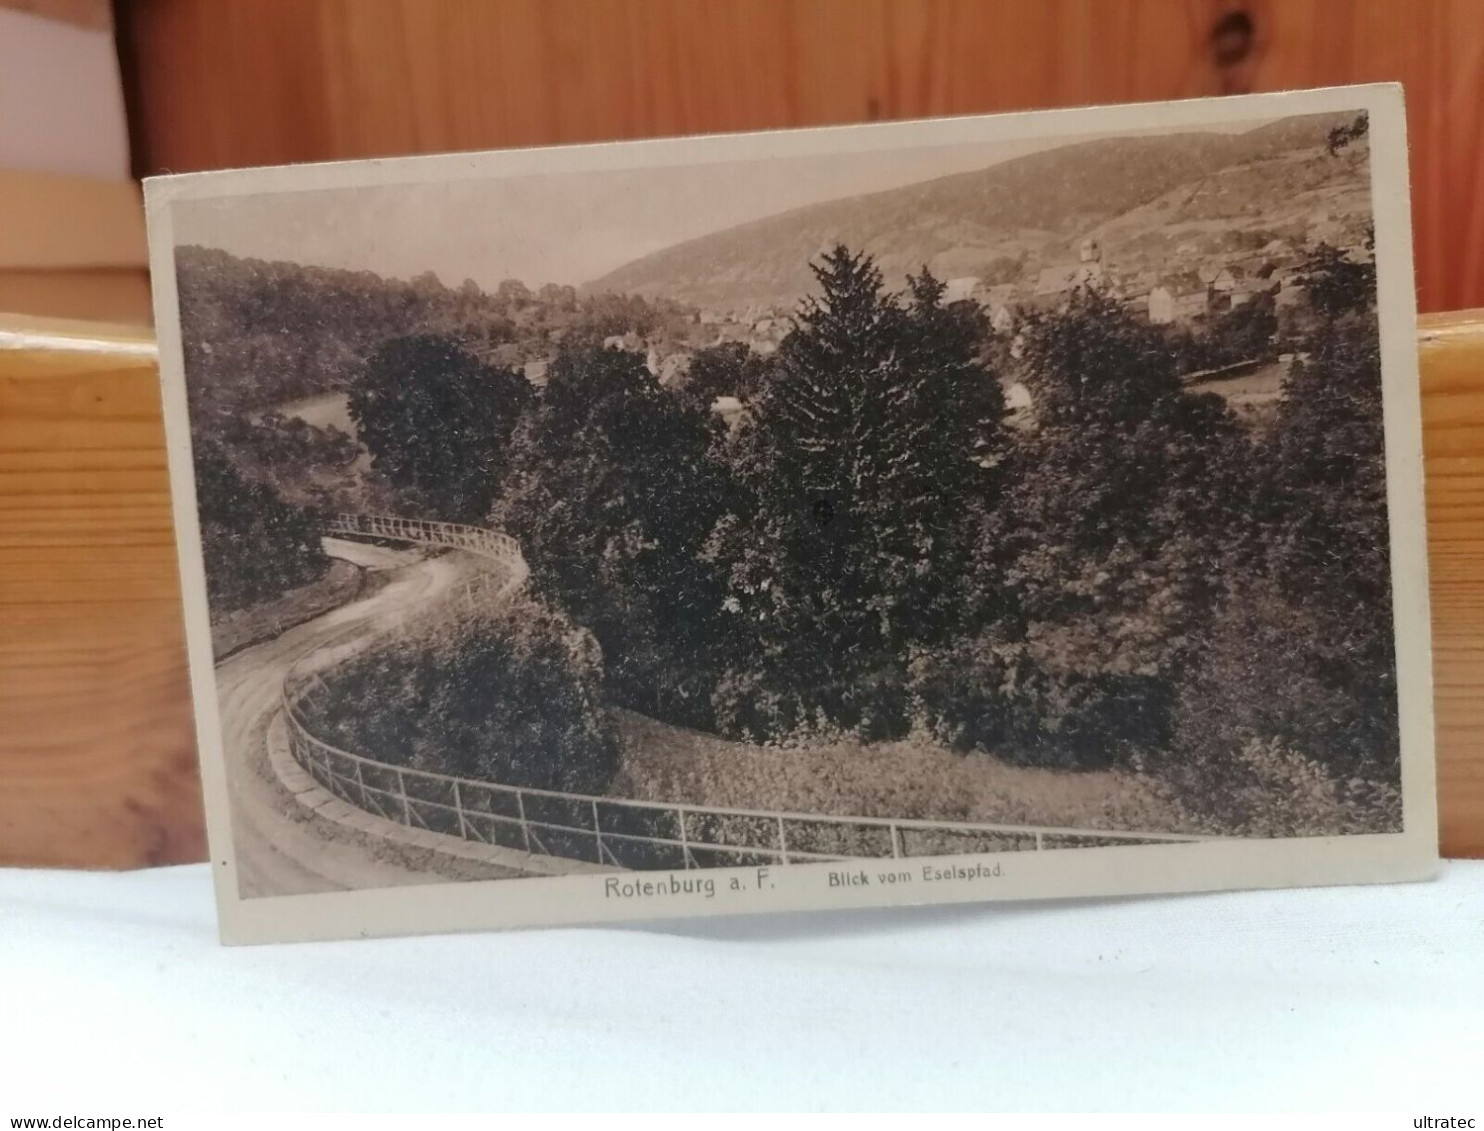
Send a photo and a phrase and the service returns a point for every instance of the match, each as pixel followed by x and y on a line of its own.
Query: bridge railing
pixel 477 539
pixel 626 833
pixel 610 831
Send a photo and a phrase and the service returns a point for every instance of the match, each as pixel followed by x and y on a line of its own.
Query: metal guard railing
pixel 616 831
pixel 454 535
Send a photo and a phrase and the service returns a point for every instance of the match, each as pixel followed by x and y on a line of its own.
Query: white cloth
pixel 118 1000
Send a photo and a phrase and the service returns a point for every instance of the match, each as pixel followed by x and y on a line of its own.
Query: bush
pixel 255 545
pixel 513 697
pixel 1276 670
pixel 762 705
pixel 1030 704
pixel 1094 573
pixel 910 778
pixel 613 493
pixel 1267 789
pixel 438 422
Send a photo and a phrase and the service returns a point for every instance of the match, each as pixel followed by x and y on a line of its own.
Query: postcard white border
pixel 1121 870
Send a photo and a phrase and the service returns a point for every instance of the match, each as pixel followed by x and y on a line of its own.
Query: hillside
pixel 992 222
pixel 1296 196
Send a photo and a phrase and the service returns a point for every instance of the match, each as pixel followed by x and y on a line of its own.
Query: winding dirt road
pixel 281 847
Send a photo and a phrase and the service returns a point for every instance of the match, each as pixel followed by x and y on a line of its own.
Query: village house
pixel 630 341
pixel 961 289
pixel 676 368
pixel 1060 281
pixel 1132 289
pixel 1235 286
pixel 732 412
pixel 1228 281
pixel 1019 406
pixel 1291 292
pixel 1088 271
pixel 1001 294
pixel 1002 303
pixel 1179 298
pixel 1283 275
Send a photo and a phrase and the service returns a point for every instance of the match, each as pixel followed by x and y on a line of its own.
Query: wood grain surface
pixel 93 14
pixel 94 294
pixel 218 83
pixel 1452 354
pixel 97 749
pixel 97 761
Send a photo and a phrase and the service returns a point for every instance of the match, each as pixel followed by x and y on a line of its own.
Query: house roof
pixel 1053 280
pixel 956 290
pixel 1183 283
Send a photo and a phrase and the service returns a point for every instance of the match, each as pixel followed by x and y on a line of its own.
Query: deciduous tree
pixel 437 423
pixel 613 495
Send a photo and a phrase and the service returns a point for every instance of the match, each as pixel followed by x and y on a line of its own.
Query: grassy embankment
pixel 912 778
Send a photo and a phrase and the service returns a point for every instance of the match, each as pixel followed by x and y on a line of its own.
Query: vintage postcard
pixel 977 509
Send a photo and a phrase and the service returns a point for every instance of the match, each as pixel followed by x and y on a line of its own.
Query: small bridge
pixel 447 535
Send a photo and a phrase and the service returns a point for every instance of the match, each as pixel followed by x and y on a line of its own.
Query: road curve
pixel 280 847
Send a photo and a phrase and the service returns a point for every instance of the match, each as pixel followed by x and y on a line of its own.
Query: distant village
pixel 1204 286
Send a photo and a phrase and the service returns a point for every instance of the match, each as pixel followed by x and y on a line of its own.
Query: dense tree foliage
pixel 1302 651
pixel 1095 571
pixel 438 423
pixel 1245 333
pixel 860 470
pixel 1337 284
pixel 514 696
pixel 1342 136
pixel 259 334
pixel 1128 577
pixel 255 545
pixel 729 369
pixel 613 493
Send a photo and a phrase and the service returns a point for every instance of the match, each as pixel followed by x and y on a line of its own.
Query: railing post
pixel 597 831
pixel 897 851
pixel 684 838
pixel 525 829
pixel 402 791
pixel 458 807
pixel 1039 842
pixel 782 840
pixel 361 785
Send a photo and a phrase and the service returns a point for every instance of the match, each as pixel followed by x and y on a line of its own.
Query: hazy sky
pixel 557 228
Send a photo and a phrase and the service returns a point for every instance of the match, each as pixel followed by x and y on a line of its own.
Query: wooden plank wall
pixel 218 83
pixel 97 742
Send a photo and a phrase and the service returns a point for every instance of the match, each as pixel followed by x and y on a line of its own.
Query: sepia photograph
pixel 957 510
